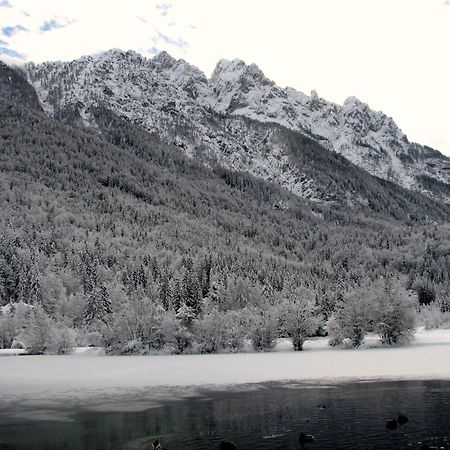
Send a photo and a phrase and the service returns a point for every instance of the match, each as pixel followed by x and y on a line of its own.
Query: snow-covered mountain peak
pixel 175 100
pixel 235 85
pixel 354 102
pixel 164 60
pixel 114 54
pixel 364 120
pixel 236 70
pixel 228 68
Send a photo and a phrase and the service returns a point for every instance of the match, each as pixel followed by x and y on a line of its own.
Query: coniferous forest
pixel 111 237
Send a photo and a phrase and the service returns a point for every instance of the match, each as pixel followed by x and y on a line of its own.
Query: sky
pixel 391 54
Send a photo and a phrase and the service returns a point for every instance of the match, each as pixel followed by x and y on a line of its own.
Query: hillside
pixel 177 102
pixel 112 236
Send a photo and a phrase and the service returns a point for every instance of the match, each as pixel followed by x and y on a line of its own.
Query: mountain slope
pixel 115 214
pixel 325 177
pixel 64 188
pixel 368 138
pixel 14 86
pixel 177 102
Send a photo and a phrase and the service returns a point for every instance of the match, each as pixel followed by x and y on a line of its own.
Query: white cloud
pixel 91 26
pixel 390 54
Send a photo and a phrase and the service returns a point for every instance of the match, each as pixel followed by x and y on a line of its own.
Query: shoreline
pixel 81 378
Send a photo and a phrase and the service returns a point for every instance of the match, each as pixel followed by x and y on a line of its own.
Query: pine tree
pixel 22 283
pixel 3 290
pixel 164 290
pixel 98 306
pixel 176 294
pixel 88 270
pixel 34 294
pixel 205 275
pixel 191 291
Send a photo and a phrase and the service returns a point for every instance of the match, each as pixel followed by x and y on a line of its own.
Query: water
pixel 256 417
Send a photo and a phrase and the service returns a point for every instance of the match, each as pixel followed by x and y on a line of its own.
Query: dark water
pixel 262 417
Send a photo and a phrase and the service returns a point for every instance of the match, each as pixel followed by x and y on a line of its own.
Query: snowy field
pixel 86 376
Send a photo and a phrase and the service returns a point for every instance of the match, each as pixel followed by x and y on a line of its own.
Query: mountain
pixel 137 240
pixel 367 138
pixel 204 117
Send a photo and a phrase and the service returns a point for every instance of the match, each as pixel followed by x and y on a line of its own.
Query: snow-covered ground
pixel 86 375
pixel 12 351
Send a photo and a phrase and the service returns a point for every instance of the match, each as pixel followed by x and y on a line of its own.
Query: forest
pixel 112 238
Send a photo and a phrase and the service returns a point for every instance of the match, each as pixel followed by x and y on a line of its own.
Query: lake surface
pixel 255 417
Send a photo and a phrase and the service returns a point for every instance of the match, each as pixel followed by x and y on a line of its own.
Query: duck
pixel 392 424
pixel 157 445
pixel 304 438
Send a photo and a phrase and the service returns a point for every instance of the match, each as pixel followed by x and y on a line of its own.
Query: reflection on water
pixel 346 416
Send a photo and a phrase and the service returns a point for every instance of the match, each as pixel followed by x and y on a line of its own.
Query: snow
pixel 82 376
pixel 432 337
pixel 88 351
pixel 12 351
pixel 164 94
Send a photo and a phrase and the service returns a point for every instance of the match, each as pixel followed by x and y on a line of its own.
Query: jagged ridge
pixel 177 102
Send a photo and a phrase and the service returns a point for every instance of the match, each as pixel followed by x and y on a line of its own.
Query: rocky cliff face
pixel 367 138
pixel 208 118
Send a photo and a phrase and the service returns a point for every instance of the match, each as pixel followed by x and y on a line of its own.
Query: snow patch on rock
pixel 176 101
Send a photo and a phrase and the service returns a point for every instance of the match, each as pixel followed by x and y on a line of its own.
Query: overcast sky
pixel 392 54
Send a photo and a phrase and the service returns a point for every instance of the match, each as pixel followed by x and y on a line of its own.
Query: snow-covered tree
pixel 353 317
pixel 22 283
pixel 164 290
pixel 236 325
pixel 8 329
pixel 61 339
pixel 14 318
pixel 396 313
pixel 139 321
pixel 191 291
pixel 209 331
pixel 34 292
pixel 37 333
pixel 175 335
pixel 264 328
pixel 98 306
pixel 88 270
pixel 299 320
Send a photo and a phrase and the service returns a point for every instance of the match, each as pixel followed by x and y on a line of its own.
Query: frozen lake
pixel 255 417
pixel 86 374
pixel 258 400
